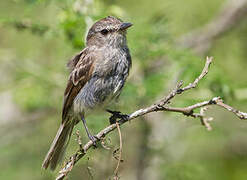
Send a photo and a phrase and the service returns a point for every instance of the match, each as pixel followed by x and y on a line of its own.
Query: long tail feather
pixel 58 146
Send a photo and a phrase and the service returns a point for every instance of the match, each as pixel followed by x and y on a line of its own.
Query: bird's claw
pixel 117 115
pixel 94 139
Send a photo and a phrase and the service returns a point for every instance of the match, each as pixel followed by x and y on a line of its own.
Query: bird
pixel 97 76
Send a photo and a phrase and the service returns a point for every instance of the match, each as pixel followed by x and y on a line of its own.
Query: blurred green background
pixel 37 37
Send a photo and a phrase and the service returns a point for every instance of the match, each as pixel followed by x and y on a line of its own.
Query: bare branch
pixel 162 105
pixel 241 115
pixel 203 73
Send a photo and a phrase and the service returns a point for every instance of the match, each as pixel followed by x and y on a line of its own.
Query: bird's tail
pixel 58 145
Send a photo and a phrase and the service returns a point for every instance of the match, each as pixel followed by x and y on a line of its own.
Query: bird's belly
pixel 98 92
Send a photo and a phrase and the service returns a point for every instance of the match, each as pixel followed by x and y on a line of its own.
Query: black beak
pixel 124 26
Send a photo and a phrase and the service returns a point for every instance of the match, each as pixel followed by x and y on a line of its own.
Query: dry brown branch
pixel 162 105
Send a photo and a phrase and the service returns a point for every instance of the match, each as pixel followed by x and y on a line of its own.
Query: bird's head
pixel 109 31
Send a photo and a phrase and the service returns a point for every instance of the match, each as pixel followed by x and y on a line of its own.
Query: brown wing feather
pixel 74 60
pixel 79 76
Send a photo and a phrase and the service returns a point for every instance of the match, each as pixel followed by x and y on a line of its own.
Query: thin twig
pixel 203 73
pixel 241 115
pixel 79 138
pixel 103 143
pixel 120 150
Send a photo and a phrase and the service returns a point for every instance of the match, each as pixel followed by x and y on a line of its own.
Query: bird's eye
pixel 104 31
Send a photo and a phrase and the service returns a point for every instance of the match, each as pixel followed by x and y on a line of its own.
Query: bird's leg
pixel 90 136
pixel 117 115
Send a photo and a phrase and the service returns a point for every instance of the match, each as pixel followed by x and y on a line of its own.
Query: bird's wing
pixel 81 67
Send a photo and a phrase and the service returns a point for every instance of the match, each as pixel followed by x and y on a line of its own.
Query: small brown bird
pixel 97 75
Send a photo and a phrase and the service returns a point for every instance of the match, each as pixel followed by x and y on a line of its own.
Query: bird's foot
pixel 117 115
pixel 94 139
